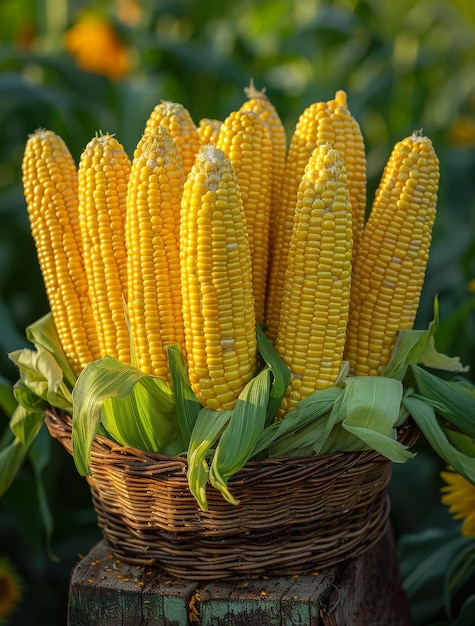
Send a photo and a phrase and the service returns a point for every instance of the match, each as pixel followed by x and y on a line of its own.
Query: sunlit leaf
pixel 425 417
pixel 125 389
pixel 280 373
pixel 371 406
pixel 187 404
pixel 208 427
pixel 238 439
pixel 445 396
pixel 43 333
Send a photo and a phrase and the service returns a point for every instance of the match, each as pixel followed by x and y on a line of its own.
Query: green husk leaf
pixel 43 333
pixel 449 399
pixel 418 346
pixel 431 357
pixel 136 409
pixel 425 417
pixel 238 439
pixel 280 372
pixel 371 407
pixel 42 376
pixel 281 435
pixel 307 426
pixel 208 427
pixel 186 402
pixel 408 348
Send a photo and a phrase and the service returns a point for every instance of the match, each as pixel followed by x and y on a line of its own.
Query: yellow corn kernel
pixel 312 328
pixel 208 130
pixel 216 278
pixel 103 174
pixel 320 123
pixel 154 197
pixel 51 191
pixel 258 102
pixel 181 128
pixel 245 141
pixel 350 144
pixel 390 266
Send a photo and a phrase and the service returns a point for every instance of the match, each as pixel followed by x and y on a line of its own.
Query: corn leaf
pixel 408 348
pixel 186 402
pixel 139 412
pixel 280 373
pixel 281 435
pixel 43 333
pixel 450 400
pixel 371 407
pixel 8 403
pixel 418 346
pixel 208 427
pixel 41 375
pixel 431 357
pixel 425 417
pixel 14 453
pixel 238 439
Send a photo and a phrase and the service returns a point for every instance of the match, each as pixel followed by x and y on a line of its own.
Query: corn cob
pixel 208 130
pixel 245 141
pixel 392 258
pixel 216 280
pixel 258 102
pixel 51 192
pixel 350 144
pixel 181 128
pixel 311 334
pixel 322 122
pixel 152 232
pixel 103 174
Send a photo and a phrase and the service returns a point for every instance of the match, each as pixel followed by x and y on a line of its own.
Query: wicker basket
pixel 295 516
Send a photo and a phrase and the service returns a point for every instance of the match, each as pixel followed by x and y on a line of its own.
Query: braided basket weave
pixel 295 515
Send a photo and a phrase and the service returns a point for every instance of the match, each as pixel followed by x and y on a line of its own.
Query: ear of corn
pixel 103 175
pixel 350 144
pixel 320 123
pixel 51 192
pixel 216 280
pixel 259 103
pixel 181 128
pixel 245 141
pixel 208 130
pixel 312 328
pixel 153 229
pixel 392 257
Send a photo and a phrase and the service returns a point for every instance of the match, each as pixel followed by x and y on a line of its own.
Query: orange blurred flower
pixel 97 48
pixel 10 590
pixel 459 496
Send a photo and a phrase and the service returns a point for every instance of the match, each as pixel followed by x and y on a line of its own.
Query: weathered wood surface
pixel 365 591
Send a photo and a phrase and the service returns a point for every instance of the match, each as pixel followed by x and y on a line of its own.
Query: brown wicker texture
pixel 295 515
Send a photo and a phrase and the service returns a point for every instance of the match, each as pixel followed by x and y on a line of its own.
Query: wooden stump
pixel 365 591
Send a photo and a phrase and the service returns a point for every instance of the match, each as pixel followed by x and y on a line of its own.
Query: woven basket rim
pixel 59 424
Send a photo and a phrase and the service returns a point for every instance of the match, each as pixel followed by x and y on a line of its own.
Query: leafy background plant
pixel 404 65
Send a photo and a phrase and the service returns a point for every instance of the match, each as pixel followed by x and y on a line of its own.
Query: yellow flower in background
pixel 459 496
pixel 10 590
pixel 97 48
pixel 462 131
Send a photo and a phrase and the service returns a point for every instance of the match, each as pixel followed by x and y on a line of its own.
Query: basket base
pixel 365 591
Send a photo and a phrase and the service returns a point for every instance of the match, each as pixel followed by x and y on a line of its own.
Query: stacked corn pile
pixel 213 228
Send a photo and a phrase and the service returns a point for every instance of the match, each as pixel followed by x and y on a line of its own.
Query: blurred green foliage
pixel 405 65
